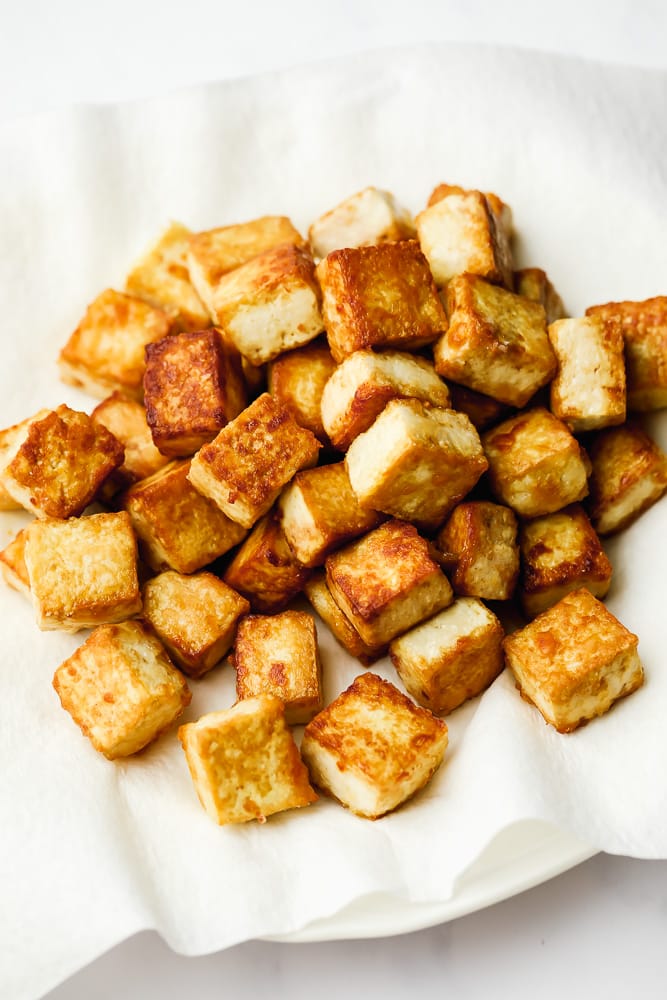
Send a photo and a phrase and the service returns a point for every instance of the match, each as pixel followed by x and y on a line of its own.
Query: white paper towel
pixel 93 851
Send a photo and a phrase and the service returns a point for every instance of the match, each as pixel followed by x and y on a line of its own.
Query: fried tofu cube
pixel 500 209
pixel 362 385
pixel 497 342
pixel 368 217
pixel 58 462
pixel 536 466
pixel 372 748
pixel 194 617
pixel 574 661
pixel 121 689
pixel 244 762
pixel 452 657
pixel 83 572
pixel 319 512
pixel 265 570
pixel 533 284
pixel 629 475
pixel 246 466
pixel 342 629
pixel 106 351
pixel 177 527
pixel 387 581
pixel 559 553
pixel 193 385
pixel 278 655
pixel 126 419
pixel 483 537
pixel 481 410
pixel 161 278
pixel 588 391
pixel 12 563
pixel 415 462
pixel 297 380
pixel 377 297
pixel 8 437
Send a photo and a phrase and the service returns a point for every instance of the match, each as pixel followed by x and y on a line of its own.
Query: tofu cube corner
pixel 264 569
pixel 483 538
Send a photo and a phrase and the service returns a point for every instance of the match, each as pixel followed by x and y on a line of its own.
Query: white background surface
pixel 597 929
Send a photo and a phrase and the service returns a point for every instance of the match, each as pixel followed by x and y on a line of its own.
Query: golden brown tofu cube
pixel 246 466
pixel 161 278
pixel 559 553
pixel 483 537
pixel 452 657
pixel 341 627
pixel 629 475
pixel 193 385
pixel 177 527
pixel 83 572
pixel 372 748
pixel 265 570
pixel 121 689
pixel 415 462
pixel 244 762
pixel 574 661
pixel 588 391
pixel 319 511
pixel 387 582
pixel 297 380
pixel 536 466
pixel 58 462
pixel 362 385
pixel 481 410
pixel 644 329
pixel 368 217
pixel 533 284
pixel 500 209
pixel 377 297
pixel 278 655
pixel 106 351
pixel 8 437
pixel 126 419
pixel 497 342
pixel 194 617
pixel 12 563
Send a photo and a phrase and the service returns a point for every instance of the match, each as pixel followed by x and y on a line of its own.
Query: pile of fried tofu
pixel 388 419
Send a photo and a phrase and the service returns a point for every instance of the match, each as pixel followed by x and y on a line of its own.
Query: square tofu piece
pixel 499 208
pixel 83 572
pixel 452 657
pixel 341 627
pixel 387 582
pixel 574 661
pixel 368 217
pixel 265 570
pixel 121 688
pixel 177 527
pixel 244 762
pixel 377 297
pixel 8 437
pixel 246 466
pixel 161 278
pixel 483 537
pixel 588 391
pixel 106 351
pixel 320 512
pixel 193 385
pixel 415 462
pixel 278 655
pixel 629 475
pixel 372 748
pixel 559 553
pixel 12 563
pixel 59 461
pixel 533 284
pixel 194 617
pixel 644 329
pixel 126 419
pixel 297 380
pixel 481 410
pixel 497 342
pixel 363 384
pixel 536 466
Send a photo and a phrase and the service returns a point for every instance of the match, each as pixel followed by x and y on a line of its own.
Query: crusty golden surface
pixel 297 380
pixel 194 616
pixel 83 572
pixel 12 563
pixel 574 660
pixel 244 762
pixel 121 688
pixel 106 351
pixel 177 527
pixel 278 655
pixel 497 342
pixel 368 217
pixel 246 466
pixel 483 537
pixel 9 437
pixel 342 629
pixel 451 657
pixel 126 419
pixel 379 296
pixel 387 581
pixel 533 283
pixel 372 748
pixel 588 390
pixel 264 569
pixel 629 475
pixel 481 410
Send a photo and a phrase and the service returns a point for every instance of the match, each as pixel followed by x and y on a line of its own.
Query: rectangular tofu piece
pixel 244 762
pixel 297 380
pixel 8 437
pixel 372 748
pixel 342 629
pixel 264 568
pixel 499 208
pixel 483 538
pixel 533 284
pixel 126 420
pixel 588 390
pixel 368 217
pixel 12 563
pixel 629 475
pixel 574 661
